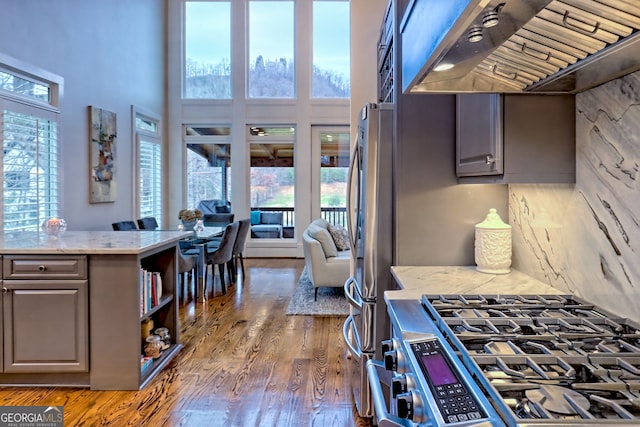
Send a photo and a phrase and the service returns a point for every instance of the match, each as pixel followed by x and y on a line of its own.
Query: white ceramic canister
pixel 493 245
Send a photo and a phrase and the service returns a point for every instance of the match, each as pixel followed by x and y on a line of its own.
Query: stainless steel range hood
pixel 518 46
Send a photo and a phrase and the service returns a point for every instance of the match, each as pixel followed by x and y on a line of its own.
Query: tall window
pixel 334 170
pixel 208 163
pixel 207 65
pixel 273 177
pixel 149 166
pixel 331 49
pixel 29 159
pixel 271 50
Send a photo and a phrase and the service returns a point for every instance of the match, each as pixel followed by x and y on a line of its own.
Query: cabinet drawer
pixel 43 267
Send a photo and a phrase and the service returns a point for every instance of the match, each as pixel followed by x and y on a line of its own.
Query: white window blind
pixel 29 168
pixel 150 172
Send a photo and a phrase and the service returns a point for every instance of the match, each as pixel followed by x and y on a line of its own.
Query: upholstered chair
pixel 124 225
pixel 187 265
pixel 147 223
pixel 238 247
pixel 217 219
pixel 221 256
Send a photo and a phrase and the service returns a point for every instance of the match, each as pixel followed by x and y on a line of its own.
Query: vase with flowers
pixel 189 217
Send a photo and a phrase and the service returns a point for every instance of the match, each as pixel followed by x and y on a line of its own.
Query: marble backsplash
pixel 585 238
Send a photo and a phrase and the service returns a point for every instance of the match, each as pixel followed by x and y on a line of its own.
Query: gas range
pixel 526 360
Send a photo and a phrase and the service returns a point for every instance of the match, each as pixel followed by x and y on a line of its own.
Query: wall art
pixel 103 186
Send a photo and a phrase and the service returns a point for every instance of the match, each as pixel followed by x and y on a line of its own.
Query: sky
pixel 208 34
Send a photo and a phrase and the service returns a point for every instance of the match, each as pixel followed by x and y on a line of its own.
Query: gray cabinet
pixel 515 138
pixel 45 314
pixel 479 134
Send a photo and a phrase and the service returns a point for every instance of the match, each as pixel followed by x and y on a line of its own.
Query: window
pixel 29 133
pixel 208 163
pixel 334 170
pixel 331 49
pixel 207 64
pixel 273 176
pixel 271 51
pixel 149 144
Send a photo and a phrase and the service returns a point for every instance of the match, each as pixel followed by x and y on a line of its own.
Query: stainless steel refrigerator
pixel 370 223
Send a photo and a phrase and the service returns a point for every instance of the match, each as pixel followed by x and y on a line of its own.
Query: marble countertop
pixel 87 242
pixel 416 281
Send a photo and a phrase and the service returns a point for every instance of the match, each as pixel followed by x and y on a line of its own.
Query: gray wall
pixel 111 55
pixel 435 216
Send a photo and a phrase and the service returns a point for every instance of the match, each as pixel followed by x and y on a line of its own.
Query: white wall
pixel 111 55
pixel 366 18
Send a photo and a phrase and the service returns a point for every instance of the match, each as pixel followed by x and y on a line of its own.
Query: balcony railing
pixel 335 216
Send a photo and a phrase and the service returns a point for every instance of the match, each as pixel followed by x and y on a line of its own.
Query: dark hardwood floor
pixel 244 363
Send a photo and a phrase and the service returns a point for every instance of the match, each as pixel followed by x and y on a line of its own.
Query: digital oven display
pixel 438 369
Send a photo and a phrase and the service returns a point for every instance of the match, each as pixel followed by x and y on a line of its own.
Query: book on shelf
pixel 145 362
pixel 150 290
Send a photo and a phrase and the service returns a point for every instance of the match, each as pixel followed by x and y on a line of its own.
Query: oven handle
pixel 382 415
pixel 347 292
pixel 345 333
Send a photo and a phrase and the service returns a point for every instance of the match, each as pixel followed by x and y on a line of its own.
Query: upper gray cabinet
pixel 515 138
pixel 479 134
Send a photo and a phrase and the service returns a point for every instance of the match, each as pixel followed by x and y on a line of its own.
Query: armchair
pixel 326 265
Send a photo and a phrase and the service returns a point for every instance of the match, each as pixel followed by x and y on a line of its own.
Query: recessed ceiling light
pixel 443 67
pixel 475 34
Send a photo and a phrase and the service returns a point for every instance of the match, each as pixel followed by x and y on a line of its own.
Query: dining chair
pixel 217 219
pixel 187 264
pixel 147 223
pixel 221 256
pixel 239 245
pixel 124 225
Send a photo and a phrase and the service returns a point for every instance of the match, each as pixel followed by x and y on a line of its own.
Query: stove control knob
pixel 404 403
pixel 409 405
pixel 388 345
pixel 402 384
pixel 398 385
pixel 391 360
pixel 395 360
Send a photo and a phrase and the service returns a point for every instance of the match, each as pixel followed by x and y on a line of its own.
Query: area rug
pixel 331 301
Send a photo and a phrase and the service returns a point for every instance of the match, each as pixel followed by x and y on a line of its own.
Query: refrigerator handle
pixel 355 152
pixel 348 325
pixel 347 292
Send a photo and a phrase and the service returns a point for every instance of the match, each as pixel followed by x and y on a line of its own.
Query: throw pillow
pixel 255 217
pixel 340 236
pixel 325 239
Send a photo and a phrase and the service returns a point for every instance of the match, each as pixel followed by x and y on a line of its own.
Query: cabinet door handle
pixel 490 159
pixel 4 290
pixel 42 268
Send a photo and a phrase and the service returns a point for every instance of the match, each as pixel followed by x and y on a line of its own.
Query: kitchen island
pixel 74 307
